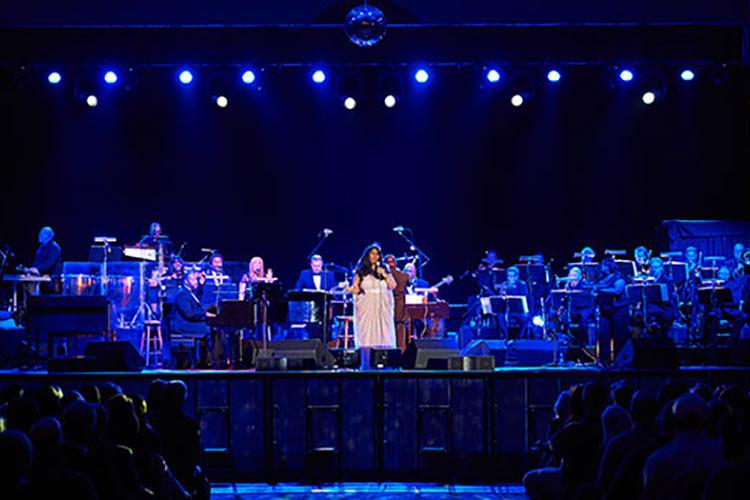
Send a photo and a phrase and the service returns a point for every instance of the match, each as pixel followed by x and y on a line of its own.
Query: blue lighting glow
pixel 248 77
pixel 186 77
pixel 493 76
pixel 626 75
pixel 553 76
pixel 421 76
pixel 538 320
pixel 110 77
pixel 54 78
pixel 319 76
pixel 687 75
pixel 648 98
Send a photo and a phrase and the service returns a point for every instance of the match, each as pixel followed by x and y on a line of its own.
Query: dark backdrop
pixel 584 163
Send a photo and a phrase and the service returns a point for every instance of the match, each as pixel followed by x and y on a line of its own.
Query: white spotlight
pixel 350 103
pixel 222 101
pixel 389 101
pixel 516 100
pixel 92 101
pixel 648 98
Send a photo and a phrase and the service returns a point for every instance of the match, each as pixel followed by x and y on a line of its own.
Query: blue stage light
pixel 389 101
pixel 222 101
pixel 626 75
pixel 186 77
pixel 493 76
pixel 350 103
pixel 553 76
pixel 516 100
pixel 687 75
pixel 319 76
pixel 92 101
pixel 421 76
pixel 248 77
pixel 110 77
pixel 648 98
pixel 54 78
pixel 538 321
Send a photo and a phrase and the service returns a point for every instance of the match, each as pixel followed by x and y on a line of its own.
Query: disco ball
pixel 365 25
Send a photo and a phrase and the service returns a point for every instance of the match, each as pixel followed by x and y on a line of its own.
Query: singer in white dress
pixel 373 301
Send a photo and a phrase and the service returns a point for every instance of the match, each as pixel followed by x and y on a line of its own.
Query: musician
pixel 488 272
pixel 256 273
pixel 400 315
pixel 47 261
pixel 155 238
pixel 661 312
pixel 692 258
pixel 613 311
pixel 316 278
pixel 576 314
pixel 731 311
pixel 736 263
pixel 176 269
pixel 414 281
pixel 189 316
pixel 514 286
pixel 215 267
pixel 587 255
pixel 641 255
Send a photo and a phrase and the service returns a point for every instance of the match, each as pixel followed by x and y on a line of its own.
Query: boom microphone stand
pixel 423 259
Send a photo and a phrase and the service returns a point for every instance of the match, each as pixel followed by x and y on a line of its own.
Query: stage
pixel 340 425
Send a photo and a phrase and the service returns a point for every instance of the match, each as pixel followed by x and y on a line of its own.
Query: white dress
pixel 373 314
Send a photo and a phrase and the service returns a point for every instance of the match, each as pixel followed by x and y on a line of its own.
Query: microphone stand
pixel 321 239
pixel 423 258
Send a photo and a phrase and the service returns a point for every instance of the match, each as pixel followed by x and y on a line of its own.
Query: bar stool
pixel 152 343
pixel 348 337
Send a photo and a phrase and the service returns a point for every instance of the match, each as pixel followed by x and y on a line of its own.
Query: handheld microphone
pixel 325 233
pixel 399 229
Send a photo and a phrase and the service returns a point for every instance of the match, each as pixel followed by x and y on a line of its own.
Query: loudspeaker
pixel 115 356
pixel 532 352
pixel 648 353
pixel 311 354
pixel 471 363
pixel 430 354
pixel 485 347
pixel 378 358
pixel 346 358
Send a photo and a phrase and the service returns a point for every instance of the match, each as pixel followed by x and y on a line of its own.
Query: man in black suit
pixel 399 300
pixel 189 316
pixel 316 278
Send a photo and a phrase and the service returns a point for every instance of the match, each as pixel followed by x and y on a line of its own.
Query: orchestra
pixel 595 303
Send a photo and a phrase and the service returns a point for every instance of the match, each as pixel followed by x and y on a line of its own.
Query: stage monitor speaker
pixel 377 358
pixel 472 363
pixel 346 358
pixel 648 353
pixel 486 347
pixel 532 352
pixel 432 354
pixel 121 356
pixel 311 353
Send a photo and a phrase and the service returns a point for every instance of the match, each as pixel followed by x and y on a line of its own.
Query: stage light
pixel 54 78
pixel 350 103
pixel 648 98
pixel 493 76
pixel 687 75
pixel 516 100
pixel 110 77
pixel 626 75
pixel 248 77
pixel 538 321
pixel 92 101
pixel 186 77
pixel 553 76
pixel 319 76
pixel 389 101
pixel 222 101
pixel 421 76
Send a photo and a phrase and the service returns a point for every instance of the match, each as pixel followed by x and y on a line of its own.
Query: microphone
pixel 399 229
pixel 325 233
pixel 208 250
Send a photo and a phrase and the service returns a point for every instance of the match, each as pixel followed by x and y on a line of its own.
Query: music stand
pixel 237 314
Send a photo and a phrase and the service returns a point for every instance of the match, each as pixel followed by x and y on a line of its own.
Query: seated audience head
pixel 689 412
pixel 176 394
pixel 79 421
pixel 90 393
pixel 615 421
pixel 16 453
pixel 621 393
pixel 643 408
pixel 109 390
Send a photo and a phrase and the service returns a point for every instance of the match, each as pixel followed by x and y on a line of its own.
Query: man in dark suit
pixel 399 301
pixel 316 278
pixel 189 316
